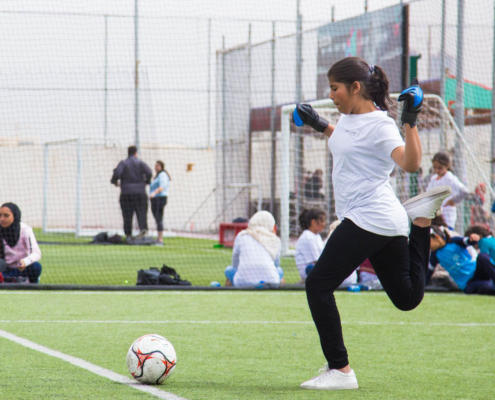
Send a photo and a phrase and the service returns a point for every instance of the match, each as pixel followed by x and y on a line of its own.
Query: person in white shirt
pixel 443 176
pixel 310 245
pixel 365 146
pixel 256 255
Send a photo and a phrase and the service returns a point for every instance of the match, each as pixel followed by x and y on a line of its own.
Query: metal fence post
pixel 45 188
pixel 79 188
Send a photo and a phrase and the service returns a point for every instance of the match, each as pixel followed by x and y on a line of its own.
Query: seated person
pixel 256 254
pixel 471 276
pixel 310 245
pixel 18 246
pixel 486 244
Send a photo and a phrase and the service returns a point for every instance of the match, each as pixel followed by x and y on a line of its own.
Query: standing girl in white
pixel 366 145
pixel 443 176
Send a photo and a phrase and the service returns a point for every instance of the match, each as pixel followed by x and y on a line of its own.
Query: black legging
pixel 158 203
pixel 400 266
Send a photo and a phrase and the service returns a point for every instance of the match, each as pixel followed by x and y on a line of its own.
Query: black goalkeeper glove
pixel 305 115
pixel 413 102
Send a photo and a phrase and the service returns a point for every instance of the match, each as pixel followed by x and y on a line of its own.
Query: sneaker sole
pixel 425 197
pixel 348 387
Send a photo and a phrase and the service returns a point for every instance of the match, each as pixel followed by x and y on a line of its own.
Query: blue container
pixel 354 288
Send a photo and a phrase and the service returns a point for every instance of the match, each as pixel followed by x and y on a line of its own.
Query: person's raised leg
pixel 402 267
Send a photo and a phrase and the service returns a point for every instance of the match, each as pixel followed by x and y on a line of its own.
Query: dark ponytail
pixel 307 216
pixel 373 79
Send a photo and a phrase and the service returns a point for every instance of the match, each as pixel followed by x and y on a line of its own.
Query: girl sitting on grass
pixel 310 245
pixel 256 254
pixel 18 247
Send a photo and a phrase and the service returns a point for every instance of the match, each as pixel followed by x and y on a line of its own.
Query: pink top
pixel 26 249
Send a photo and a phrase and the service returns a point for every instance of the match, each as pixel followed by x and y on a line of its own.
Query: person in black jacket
pixel 133 175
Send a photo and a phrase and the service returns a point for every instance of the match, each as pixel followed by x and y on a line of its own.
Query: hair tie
pixel 372 68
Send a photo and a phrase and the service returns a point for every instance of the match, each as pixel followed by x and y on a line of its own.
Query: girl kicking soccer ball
pixel 365 145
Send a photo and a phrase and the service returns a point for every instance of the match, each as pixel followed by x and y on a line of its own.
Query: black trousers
pixel 400 265
pixel 157 206
pixel 134 203
pixel 483 280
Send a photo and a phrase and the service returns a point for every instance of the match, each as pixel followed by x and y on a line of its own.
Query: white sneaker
pixel 332 379
pixel 426 205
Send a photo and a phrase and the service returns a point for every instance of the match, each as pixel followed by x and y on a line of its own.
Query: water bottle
pixel 365 287
pixel 215 284
pixel 354 288
pixel 260 285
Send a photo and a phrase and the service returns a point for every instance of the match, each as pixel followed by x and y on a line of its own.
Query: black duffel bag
pixel 165 276
pixel 148 276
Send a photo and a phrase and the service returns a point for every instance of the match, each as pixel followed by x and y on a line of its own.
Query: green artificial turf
pixel 83 264
pixel 249 345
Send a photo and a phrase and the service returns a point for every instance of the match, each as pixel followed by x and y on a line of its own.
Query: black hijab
pixel 12 233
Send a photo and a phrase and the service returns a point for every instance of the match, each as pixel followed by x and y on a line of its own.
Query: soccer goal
pixel 305 150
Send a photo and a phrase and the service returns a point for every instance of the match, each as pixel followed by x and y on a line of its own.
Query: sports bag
pixel 148 276
pixel 165 276
pixel 169 276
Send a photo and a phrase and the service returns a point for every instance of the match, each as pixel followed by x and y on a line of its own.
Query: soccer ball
pixel 151 359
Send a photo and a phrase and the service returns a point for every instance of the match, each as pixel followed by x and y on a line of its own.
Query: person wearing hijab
pixel 256 254
pixel 18 246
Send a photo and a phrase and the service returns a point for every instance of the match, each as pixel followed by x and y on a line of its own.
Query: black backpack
pixel 148 276
pixel 169 276
pixel 165 276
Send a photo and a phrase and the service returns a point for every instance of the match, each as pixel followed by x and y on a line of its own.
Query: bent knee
pixel 408 305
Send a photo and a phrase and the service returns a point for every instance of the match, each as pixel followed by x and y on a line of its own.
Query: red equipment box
pixel 229 230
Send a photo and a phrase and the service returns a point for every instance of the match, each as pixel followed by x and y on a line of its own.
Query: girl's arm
pixel 33 249
pixel 236 252
pixel 408 157
pixel 460 191
pixel 329 130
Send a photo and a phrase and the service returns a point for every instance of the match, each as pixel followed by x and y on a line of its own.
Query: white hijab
pixel 260 227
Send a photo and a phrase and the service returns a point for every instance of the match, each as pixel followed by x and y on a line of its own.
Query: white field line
pixel 95 369
pixel 399 323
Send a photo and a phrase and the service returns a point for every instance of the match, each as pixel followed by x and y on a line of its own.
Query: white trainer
pixel 428 204
pixel 332 379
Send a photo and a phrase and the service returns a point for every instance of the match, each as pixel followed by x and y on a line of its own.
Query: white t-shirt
pixel 253 262
pixel 361 146
pixel 308 249
pixel 459 192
